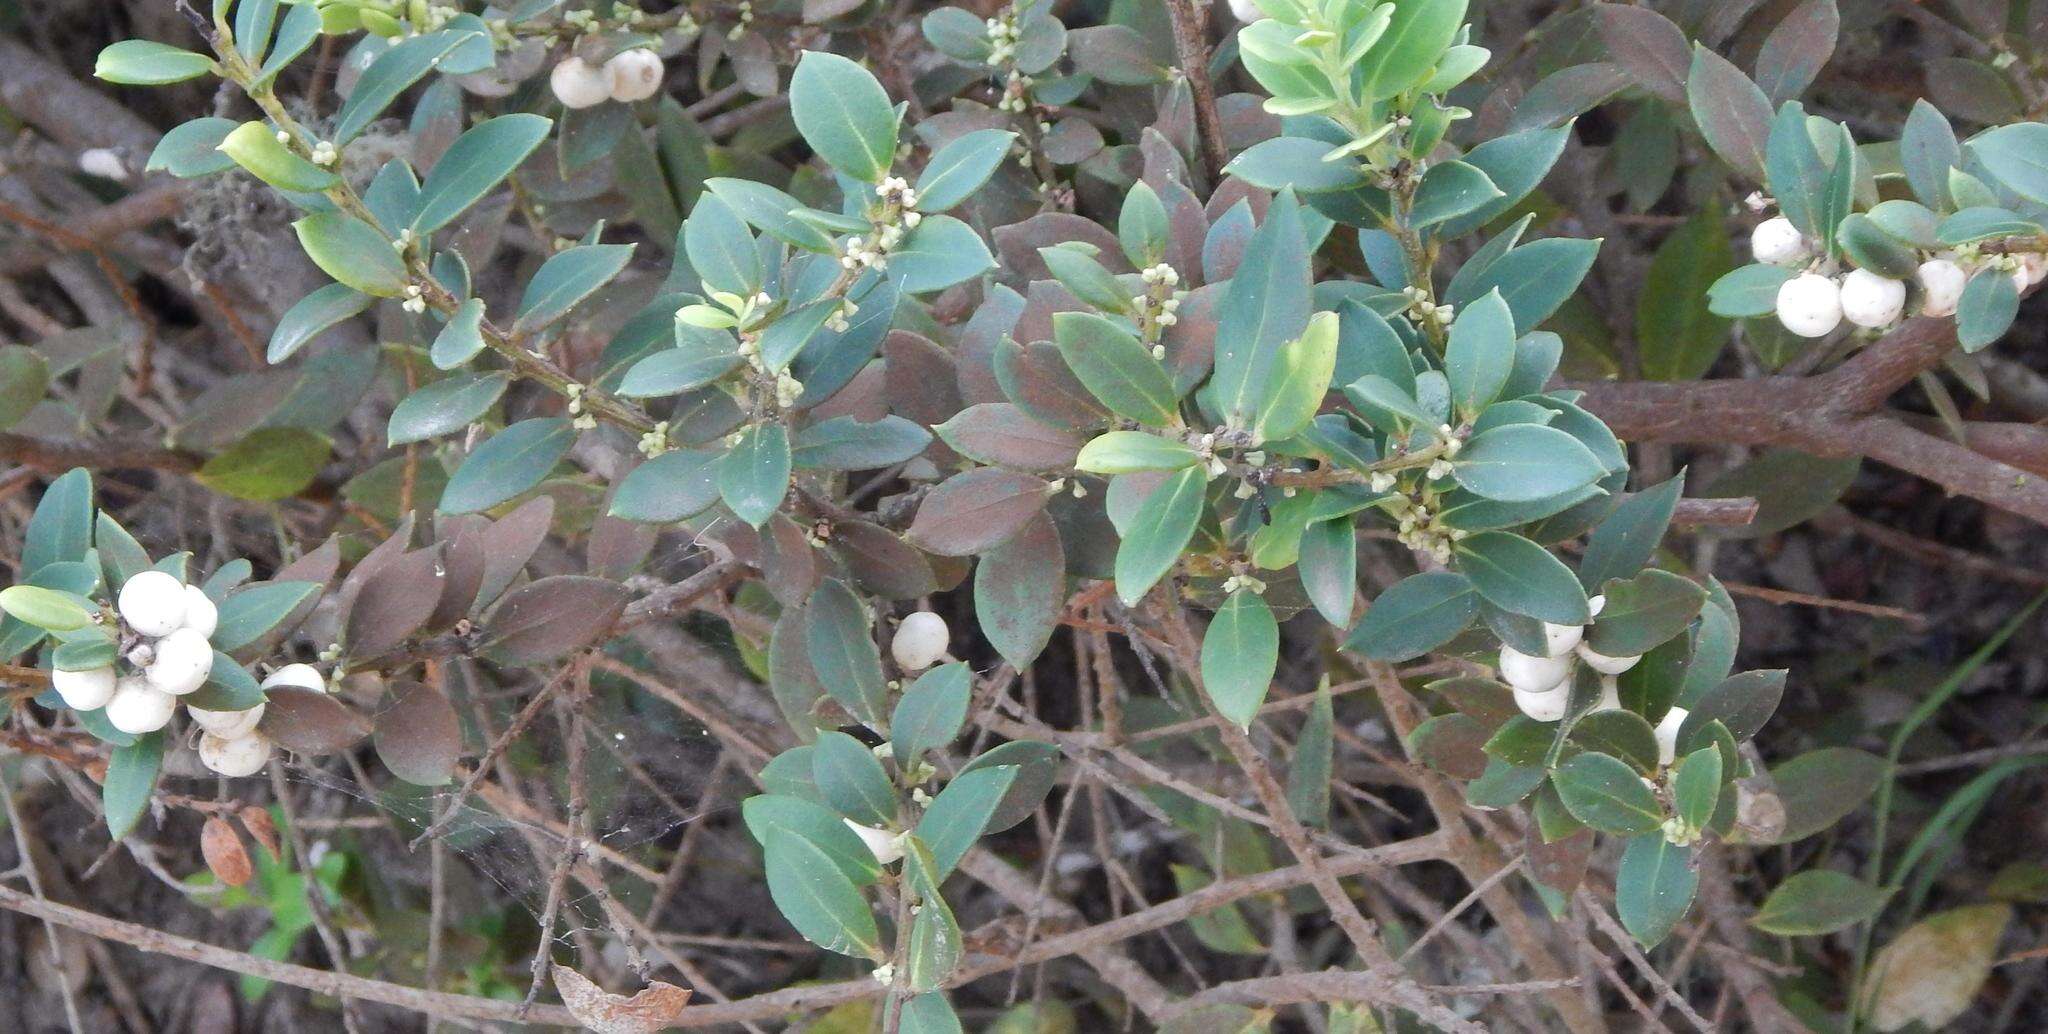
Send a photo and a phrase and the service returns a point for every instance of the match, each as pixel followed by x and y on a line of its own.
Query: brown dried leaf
pixel 656 1006
pixel 976 511
pixel 553 617
pixel 418 735
pixel 393 603
pixel 307 721
pixel 261 827
pixel 224 853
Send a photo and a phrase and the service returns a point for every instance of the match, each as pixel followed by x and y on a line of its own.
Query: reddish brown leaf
pixel 393 603
pixel 1017 244
pixel 865 398
pixel 1000 433
pixel 1452 744
pixel 261 828
pixel 464 562
pixel 881 562
pixel 654 1008
pixel 418 735
pixel 617 546
pixel 1039 381
pixel 923 385
pixel 1019 590
pixel 972 512
pixel 224 853
pixel 975 351
pixel 789 563
pixel 1648 46
pixel 510 542
pixel 307 721
pixel 553 617
pixel 317 566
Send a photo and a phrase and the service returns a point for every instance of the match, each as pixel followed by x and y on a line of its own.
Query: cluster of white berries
pixel 1428 311
pixel 920 641
pixel 1542 683
pixel 1813 303
pixel 630 75
pixel 170 654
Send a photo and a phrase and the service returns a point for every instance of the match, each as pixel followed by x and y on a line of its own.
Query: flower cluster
pixel 897 217
pixel 1815 302
pixel 630 75
pixel 1159 307
pixel 1426 310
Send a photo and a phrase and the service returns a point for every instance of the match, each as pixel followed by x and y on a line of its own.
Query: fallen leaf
pixel 224 853
pixel 656 1006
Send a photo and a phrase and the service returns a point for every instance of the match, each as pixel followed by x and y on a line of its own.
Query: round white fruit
pixel 1604 664
pixel 1778 242
pixel 304 676
pixel 1545 706
pixel 633 75
pixel 182 662
pixel 1558 640
pixel 1529 674
pixel 1246 11
pixel 226 724
pixel 236 757
pixel 201 615
pixel 1667 735
pixel 885 845
pixel 1810 305
pixel 87 690
pixel 1610 695
pixel 920 641
pixel 153 603
pixel 1941 286
pixel 2035 265
pixel 1870 300
pixel 137 707
pixel 577 85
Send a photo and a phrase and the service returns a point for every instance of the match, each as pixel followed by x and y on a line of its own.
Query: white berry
pixel 633 75
pixel 1558 640
pixel 226 724
pixel 1870 300
pixel 304 676
pixel 236 757
pixel 1545 706
pixel 885 845
pixel 1532 674
pixel 153 603
pixel 1610 695
pixel 137 708
pixel 1667 735
pixel 1778 242
pixel 1810 305
pixel 182 662
pixel 2035 265
pixel 577 85
pixel 1941 286
pixel 87 690
pixel 1246 11
pixel 920 641
pixel 1604 664
pixel 201 615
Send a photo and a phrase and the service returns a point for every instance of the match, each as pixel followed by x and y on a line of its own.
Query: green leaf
pixel 1308 770
pixel 754 476
pixel 141 62
pixel 1266 304
pixel 960 168
pixel 192 149
pixel 1991 301
pixel 1142 227
pixel 1516 164
pixel 250 613
pixel 300 29
pixel 1116 368
pixel 462 338
pixel 668 488
pixel 1519 463
pixel 1820 787
pixel 24 376
pixel 1678 333
pixel 769 813
pixel 1020 591
pixel 1624 541
pixel 353 252
pixel 1653 888
pixel 1983 223
pixel 768 210
pixel 389 75
pixel 312 315
pixel 1743 702
pixel 1605 793
pixel 1409 49
pixel 1750 290
pixel 959 814
pixel 844 114
pixel 1730 110
pixel 267 464
pixel 475 163
pixel 1128 452
pixel 1328 565
pixel 699 357
pixel 852 780
pixel 721 249
pixel 1696 787
pixel 1240 652
pixel 1481 354
pixel 934 948
pixel 1534 279
pixel 818 899
pixel 1644 612
pixel 228 686
pixel 254 146
pixel 1622 734
pixel 1450 189
pixel 446 406
pixel 1301 378
pixel 1417 615
pixel 932 711
pixel 564 280
pixel 1521 577
pixel 1220 929
pixel 1874 248
pixel 941 252
pixel 49 609
pixel 847 443
pixel 131 780
pixel 1159 533
pixel 1295 161
pixel 61 527
pixel 1819 901
pixel 841 648
pixel 930 1013
pixel 509 463
pixel 2017 155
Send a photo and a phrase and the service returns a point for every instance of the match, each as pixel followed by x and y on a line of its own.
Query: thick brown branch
pixel 1191 45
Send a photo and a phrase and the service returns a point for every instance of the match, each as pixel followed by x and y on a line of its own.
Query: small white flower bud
pixel 137 708
pixel 1870 300
pixel 153 603
pixel 87 690
pixel 1810 305
pixel 1941 287
pixel 182 662
pixel 577 85
pixel 234 758
pixel 1533 674
pixel 1778 242
pixel 633 75
pixel 1667 735
pixel 227 725
pixel 920 641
